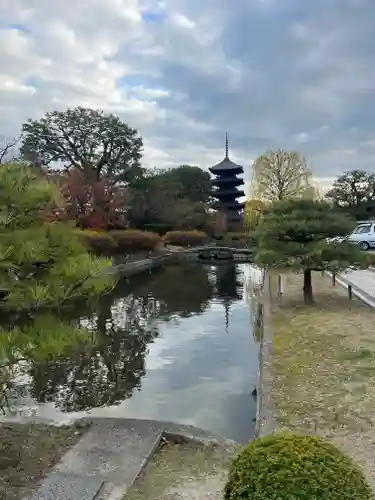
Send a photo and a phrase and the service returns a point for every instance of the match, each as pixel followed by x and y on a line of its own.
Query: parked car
pixel 363 235
pixel 336 239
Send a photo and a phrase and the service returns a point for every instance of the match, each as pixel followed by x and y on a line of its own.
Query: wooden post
pixel 334 278
pixel 279 285
pixel 350 292
pixel 269 284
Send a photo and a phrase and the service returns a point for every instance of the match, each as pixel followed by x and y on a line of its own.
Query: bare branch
pixel 7 150
pixel 280 174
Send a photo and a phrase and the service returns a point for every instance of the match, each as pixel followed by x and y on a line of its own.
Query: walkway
pixel 104 464
pixel 363 282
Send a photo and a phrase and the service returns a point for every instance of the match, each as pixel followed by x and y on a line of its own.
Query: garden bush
pixel 236 236
pixel 158 228
pixel 291 467
pixel 98 242
pixel 132 240
pixel 186 238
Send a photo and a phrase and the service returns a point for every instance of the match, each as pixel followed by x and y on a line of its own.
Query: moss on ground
pixel 323 366
pixel 27 452
pixel 183 472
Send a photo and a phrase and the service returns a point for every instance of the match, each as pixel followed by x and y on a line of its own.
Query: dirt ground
pixel 323 367
pixel 183 472
pixel 27 452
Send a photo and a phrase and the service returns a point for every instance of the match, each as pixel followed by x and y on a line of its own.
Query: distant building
pixel 226 185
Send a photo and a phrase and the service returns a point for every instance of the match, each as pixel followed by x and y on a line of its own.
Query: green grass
pixel 27 453
pixel 357 354
pixel 315 349
pixel 185 471
pixel 323 366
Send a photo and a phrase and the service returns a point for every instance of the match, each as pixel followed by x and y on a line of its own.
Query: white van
pixel 363 235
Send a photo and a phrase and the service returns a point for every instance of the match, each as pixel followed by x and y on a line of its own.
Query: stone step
pixel 105 462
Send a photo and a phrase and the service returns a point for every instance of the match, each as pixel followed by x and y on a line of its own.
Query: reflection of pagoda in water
pixel 229 287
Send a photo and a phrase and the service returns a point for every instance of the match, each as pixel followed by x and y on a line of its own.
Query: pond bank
pixel 318 375
pixel 143 261
pixel 137 266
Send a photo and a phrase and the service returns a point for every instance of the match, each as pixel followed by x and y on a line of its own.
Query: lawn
pixel 322 367
pixel 184 472
pixel 27 452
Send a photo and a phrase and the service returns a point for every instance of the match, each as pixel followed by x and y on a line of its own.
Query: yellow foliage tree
pixel 253 212
pixel 277 175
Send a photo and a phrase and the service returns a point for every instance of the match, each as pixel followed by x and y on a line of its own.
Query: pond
pixel 175 344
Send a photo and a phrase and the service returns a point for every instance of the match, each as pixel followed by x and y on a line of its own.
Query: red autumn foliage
pixel 91 203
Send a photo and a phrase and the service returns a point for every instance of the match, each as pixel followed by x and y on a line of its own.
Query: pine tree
pixel 294 234
pixel 44 269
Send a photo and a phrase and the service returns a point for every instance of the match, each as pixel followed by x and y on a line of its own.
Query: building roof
pixel 226 164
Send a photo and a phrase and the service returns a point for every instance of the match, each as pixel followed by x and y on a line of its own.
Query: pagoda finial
pixel 226 146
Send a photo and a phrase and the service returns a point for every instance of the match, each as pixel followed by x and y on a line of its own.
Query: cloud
pixel 272 73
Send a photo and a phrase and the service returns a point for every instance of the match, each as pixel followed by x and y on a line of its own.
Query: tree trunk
pixel 307 287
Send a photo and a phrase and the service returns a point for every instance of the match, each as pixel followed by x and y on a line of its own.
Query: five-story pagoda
pixel 225 187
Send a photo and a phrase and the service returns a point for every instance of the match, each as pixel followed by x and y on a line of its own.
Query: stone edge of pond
pixel 98 467
pixel 265 423
pixel 127 270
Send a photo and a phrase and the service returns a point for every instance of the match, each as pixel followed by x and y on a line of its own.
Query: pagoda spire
pixel 226 146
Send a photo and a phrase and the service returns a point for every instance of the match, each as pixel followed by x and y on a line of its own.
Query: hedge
pixel 235 236
pixel 119 241
pixel 289 466
pixel 158 228
pixel 133 239
pixel 186 238
pixel 99 242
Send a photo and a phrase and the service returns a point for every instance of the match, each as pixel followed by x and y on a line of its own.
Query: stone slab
pixel 105 462
pixel 59 486
pixel 116 454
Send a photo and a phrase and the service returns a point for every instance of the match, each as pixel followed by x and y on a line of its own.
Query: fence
pixel 353 291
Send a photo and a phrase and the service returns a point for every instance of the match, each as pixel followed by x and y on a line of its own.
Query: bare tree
pixel 7 149
pixel 279 174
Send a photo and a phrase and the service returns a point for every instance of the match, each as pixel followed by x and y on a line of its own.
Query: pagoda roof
pixel 226 164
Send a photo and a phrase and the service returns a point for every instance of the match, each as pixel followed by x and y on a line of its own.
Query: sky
pixel 274 74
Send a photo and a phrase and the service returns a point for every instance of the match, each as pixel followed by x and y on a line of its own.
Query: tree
pixel 100 145
pixel 176 198
pixel 185 214
pixel 43 271
pixel 7 149
pixel 278 175
pixel 293 235
pixel 253 211
pixel 355 193
pixel 191 183
pixel 96 204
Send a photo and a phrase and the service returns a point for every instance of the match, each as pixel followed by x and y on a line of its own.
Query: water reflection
pixel 172 345
pixel 229 287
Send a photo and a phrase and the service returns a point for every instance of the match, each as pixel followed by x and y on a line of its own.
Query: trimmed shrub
pixel 158 228
pixel 130 240
pixel 236 236
pixel 186 238
pixel 289 466
pixel 98 242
